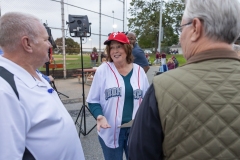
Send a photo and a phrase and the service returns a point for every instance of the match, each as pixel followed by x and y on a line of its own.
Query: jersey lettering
pixel 137 94
pixel 113 92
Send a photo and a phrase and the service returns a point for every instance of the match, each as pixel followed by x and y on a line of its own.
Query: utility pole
pixel 113 21
pixel 123 1
pixel 63 41
pixel 99 50
pixel 0 8
pixel 123 13
pixel 160 28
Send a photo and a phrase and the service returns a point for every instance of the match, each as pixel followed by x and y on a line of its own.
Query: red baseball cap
pixel 117 36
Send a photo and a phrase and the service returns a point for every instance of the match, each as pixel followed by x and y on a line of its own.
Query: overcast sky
pixel 50 12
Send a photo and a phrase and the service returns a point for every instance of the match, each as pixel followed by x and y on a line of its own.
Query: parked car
pixel 147 51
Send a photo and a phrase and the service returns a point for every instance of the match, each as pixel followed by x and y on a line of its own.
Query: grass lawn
pixel 74 61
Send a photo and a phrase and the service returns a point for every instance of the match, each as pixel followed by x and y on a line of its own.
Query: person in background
pixel 93 57
pixel 138 54
pixel 96 57
pixel 147 56
pixel 1 51
pixel 117 90
pixel 175 61
pixel 200 119
pixel 163 67
pixel 104 59
pixel 158 57
pixel 103 55
pixel 34 123
pixel 170 64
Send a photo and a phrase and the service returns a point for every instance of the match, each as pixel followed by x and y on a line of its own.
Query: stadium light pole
pixel 63 41
pixel 123 1
pixel 0 9
pixel 114 25
pixel 160 28
pixel 100 23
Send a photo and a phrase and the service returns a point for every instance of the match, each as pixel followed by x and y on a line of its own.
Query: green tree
pixel 72 47
pixel 145 21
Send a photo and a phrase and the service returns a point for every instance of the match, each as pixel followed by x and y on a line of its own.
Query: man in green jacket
pixel 193 112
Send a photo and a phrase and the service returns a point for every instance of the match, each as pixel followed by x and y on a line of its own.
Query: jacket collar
pixel 213 54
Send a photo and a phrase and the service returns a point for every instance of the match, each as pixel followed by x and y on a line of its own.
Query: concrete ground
pixel 72 88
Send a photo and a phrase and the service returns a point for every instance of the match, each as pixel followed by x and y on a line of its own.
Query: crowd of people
pixel 190 112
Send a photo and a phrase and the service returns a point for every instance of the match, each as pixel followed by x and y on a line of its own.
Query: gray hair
pixel 14 25
pixel 220 18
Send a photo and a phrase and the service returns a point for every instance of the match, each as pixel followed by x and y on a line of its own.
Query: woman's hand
pixel 102 123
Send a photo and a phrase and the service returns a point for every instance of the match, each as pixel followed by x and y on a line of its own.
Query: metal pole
pixel 160 28
pixel 99 50
pixel 0 8
pixel 123 13
pixel 126 16
pixel 63 41
pixel 113 20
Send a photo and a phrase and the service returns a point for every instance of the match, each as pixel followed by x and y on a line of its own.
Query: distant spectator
pixel 96 57
pixel 1 52
pixel 104 59
pixel 175 61
pixel 103 55
pixel 147 56
pixel 163 67
pixel 93 56
pixel 170 64
pixel 158 57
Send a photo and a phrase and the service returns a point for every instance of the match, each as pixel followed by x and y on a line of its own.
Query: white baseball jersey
pixel 108 90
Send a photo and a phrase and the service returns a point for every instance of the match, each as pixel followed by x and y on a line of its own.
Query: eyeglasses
pixel 180 28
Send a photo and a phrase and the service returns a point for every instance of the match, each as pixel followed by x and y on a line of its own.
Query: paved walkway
pixel 72 88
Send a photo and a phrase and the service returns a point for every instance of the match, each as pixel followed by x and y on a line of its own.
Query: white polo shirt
pixel 37 120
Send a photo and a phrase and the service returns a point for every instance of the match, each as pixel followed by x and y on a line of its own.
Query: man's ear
pixel 26 44
pixel 197 29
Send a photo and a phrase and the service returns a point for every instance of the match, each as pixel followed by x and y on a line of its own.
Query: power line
pixel 88 10
pixel 67 30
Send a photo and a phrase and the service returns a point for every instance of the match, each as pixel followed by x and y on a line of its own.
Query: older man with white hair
pixel 193 112
pixel 34 124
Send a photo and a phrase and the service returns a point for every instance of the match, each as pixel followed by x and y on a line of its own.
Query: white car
pixel 147 52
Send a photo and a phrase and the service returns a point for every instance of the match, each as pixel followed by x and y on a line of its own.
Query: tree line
pixel 145 21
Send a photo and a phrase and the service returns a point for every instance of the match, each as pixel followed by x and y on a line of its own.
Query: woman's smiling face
pixel 117 52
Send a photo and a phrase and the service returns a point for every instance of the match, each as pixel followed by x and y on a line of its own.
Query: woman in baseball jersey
pixel 116 92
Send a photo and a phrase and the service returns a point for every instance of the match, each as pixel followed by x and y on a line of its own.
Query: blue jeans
pixel 116 153
pixel 93 63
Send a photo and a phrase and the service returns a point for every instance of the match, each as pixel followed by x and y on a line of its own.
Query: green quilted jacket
pixel 199 107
